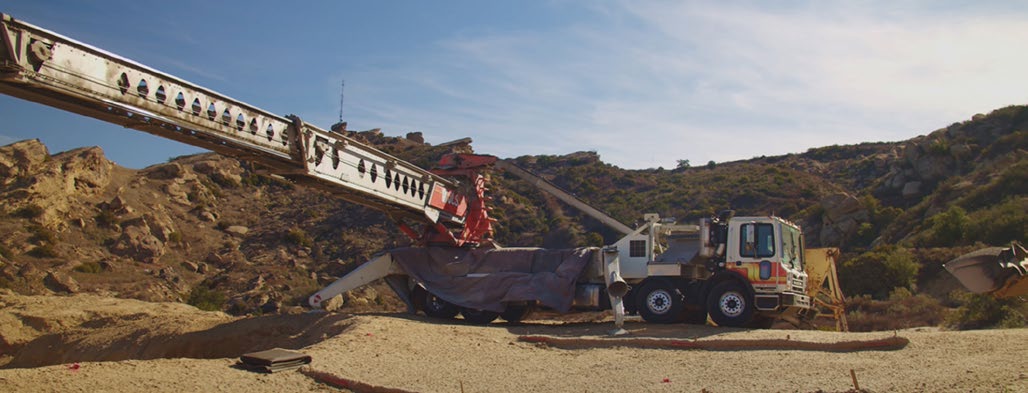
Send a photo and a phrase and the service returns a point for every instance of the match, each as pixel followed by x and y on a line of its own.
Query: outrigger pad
pixel 274 360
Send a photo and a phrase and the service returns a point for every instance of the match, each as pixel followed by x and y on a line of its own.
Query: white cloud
pixel 647 83
pixel 6 140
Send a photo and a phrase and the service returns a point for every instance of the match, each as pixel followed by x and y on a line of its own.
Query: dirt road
pixel 191 350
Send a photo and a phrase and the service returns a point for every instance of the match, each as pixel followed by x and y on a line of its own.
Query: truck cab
pixel 768 253
pixel 734 269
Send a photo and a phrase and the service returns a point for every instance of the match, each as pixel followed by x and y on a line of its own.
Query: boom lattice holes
pixel 123 83
pixel 160 95
pixel 143 89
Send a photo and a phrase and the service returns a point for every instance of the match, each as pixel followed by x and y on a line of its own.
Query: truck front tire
pixel 658 301
pixel 432 305
pixel 514 313
pixel 478 317
pixel 730 305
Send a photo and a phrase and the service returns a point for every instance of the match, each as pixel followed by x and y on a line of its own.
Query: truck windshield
pixel 792 252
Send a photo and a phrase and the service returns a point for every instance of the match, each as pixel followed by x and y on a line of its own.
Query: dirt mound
pixel 46 330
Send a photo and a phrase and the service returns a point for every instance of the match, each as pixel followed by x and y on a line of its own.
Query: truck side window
pixel 761 242
pixel 637 248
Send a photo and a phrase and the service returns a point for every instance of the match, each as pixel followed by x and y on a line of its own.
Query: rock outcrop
pixel 138 242
pixel 48 185
pixel 843 214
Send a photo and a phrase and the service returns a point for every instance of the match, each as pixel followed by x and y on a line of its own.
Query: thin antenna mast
pixel 342 91
pixel 340 127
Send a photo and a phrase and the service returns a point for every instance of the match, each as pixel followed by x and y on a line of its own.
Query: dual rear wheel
pixel 661 301
pixel 436 307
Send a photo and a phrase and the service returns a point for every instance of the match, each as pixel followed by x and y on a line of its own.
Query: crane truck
pixel 730 268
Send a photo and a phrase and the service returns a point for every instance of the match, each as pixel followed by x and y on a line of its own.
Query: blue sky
pixel 643 83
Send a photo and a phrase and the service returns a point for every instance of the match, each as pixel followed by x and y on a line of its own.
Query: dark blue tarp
pixel 485 278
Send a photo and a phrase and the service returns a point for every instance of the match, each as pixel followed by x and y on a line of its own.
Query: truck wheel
pixel 729 305
pixel 513 314
pixel 432 305
pixel 478 317
pixel 658 301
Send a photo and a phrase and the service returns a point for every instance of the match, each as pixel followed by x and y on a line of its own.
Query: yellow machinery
pixel 1001 272
pixel 823 285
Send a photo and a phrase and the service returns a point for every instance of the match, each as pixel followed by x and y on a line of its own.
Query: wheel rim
pixel 732 304
pixel 659 301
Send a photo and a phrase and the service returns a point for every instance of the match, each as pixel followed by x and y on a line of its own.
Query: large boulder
pixel 172 170
pixel 21 159
pixel 224 172
pixel 237 231
pixel 843 214
pixel 138 242
pixel 60 282
pixel 161 225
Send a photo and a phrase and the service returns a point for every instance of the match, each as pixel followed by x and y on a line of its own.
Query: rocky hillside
pixel 202 225
pixel 210 231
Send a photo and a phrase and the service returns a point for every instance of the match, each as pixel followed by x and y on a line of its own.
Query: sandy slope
pixel 420 355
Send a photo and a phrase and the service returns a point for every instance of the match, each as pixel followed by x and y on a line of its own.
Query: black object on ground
pixel 274 360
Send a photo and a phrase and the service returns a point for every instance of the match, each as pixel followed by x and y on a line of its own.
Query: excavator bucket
pixel 1002 272
pixel 823 284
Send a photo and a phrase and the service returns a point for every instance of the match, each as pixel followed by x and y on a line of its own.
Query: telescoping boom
pixel 45 67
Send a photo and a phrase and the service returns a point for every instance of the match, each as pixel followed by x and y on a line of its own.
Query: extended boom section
pixel 45 67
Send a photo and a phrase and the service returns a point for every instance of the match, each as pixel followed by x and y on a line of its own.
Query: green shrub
pixel 939 147
pixel 1002 223
pixel 299 237
pixel 1011 181
pixel 948 228
pixel 205 298
pixel 982 311
pixel 89 267
pixel 879 272
pixel 44 251
pixel 594 239
pixel 903 309
pixel 175 237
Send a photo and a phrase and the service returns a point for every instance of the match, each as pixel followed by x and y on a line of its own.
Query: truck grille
pixel 799 285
